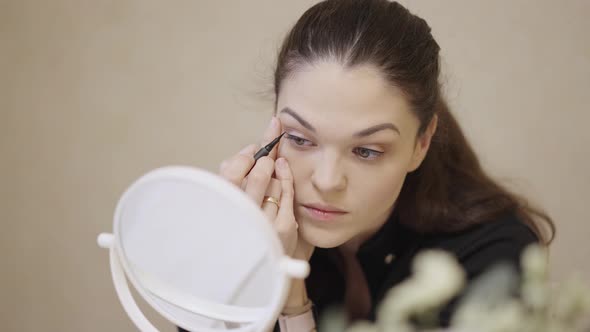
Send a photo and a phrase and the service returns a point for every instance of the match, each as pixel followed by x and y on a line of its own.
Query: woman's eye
pixel 367 154
pixel 298 140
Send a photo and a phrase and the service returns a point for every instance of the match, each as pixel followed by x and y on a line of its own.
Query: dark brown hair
pixel 449 191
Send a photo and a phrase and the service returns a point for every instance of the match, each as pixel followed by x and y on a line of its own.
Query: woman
pixel 373 167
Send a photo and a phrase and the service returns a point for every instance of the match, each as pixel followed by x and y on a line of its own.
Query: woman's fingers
pixel 272 132
pixel 270 205
pixel 285 223
pixel 236 168
pixel 259 178
pixel 256 179
pixel 285 176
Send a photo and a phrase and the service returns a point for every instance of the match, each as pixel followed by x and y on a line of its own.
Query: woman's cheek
pixel 389 183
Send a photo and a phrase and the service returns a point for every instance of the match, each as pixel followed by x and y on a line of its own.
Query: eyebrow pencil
pixel 265 150
pixel 268 148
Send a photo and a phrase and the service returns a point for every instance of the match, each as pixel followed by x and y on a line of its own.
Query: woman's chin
pixel 321 238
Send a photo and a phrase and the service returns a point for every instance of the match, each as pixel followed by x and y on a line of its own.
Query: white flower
pixel 487 306
pixel 571 302
pixel 534 262
pixel 534 288
pixel 437 278
pixel 510 316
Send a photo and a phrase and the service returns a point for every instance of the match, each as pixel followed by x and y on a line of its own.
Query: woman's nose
pixel 328 175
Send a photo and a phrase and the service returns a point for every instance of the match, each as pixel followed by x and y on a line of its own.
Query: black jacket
pixel 386 259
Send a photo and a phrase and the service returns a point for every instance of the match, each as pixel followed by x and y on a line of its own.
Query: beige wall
pixel 94 93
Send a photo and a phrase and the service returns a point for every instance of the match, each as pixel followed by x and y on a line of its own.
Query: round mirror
pixel 200 252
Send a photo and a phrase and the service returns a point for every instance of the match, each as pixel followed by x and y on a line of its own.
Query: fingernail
pixel 281 163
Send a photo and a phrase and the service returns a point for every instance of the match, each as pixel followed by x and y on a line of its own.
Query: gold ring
pixel 272 200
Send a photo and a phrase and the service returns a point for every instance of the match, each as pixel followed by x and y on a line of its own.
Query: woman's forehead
pixel 330 82
pixel 326 93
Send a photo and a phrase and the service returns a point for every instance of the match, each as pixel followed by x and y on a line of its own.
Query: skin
pixel 351 140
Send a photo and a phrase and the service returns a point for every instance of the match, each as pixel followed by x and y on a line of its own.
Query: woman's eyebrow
pixel 374 129
pixel 363 133
pixel 299 119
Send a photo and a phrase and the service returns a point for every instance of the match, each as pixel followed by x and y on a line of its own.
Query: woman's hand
pixel 259 183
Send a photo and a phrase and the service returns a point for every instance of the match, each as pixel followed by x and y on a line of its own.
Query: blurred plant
pixel 497 301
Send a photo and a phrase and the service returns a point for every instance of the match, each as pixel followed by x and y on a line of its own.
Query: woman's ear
pixel 422 144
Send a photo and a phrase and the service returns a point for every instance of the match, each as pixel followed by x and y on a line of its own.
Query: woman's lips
pixel 322 212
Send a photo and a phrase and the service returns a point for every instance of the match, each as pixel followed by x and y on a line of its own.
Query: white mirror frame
pixel 120 271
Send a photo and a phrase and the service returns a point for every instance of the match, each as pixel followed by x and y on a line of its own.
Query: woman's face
pixel 350 141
